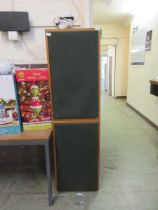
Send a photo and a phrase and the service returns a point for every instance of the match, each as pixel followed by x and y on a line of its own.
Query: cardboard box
pixel 34 97
pixel 10 122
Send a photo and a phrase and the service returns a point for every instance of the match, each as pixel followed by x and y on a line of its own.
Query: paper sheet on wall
pixel 138 47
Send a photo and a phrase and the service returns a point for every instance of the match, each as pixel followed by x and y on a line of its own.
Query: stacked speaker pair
pixel 73 57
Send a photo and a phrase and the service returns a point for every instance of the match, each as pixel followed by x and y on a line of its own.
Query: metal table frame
pixel 46 144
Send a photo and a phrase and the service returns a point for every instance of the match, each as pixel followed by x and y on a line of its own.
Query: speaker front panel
pixel 76 156
pixel 73 60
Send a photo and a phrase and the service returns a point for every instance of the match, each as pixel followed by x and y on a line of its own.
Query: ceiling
pixel 112 12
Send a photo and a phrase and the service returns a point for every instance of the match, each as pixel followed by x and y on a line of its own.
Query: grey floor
pixel 128 170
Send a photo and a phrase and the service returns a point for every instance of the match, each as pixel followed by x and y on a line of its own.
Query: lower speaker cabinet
pixel 77 152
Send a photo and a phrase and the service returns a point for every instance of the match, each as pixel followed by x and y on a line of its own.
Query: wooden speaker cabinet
pixel 74 69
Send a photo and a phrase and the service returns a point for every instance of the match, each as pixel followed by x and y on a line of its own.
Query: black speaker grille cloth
pixel 74 69
pixel 77 156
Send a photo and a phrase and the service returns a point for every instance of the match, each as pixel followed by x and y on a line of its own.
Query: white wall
pixel 31 46
pixel 138 80
pixel 118 35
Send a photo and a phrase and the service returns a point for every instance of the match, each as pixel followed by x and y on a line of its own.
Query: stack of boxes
pixel 25 101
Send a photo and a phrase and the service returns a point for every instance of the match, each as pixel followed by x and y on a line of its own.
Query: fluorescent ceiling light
pixel 142 10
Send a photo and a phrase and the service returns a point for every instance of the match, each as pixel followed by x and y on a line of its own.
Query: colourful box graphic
pixel 10 122
pixel 34 97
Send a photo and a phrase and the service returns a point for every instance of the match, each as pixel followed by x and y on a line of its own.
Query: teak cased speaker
pixel 74 70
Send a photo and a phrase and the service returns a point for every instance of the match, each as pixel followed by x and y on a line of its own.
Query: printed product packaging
pixel 34 97
pixel 10 122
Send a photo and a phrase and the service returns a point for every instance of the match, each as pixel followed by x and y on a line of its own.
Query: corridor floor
pixel 128 170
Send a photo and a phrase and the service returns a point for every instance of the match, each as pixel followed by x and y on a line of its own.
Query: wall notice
pixel 138 46
pixel 148 40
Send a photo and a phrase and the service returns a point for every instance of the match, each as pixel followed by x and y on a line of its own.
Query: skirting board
pixel 121 97
pixel 145 118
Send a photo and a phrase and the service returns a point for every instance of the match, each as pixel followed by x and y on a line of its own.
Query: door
pixel 110 76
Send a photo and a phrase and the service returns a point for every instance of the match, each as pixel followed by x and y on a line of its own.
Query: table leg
pixel 48 169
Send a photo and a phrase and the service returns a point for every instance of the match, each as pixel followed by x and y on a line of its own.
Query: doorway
pixel 108 70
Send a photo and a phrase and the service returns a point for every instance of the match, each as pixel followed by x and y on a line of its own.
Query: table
pixel 42 137
pixel 154 87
